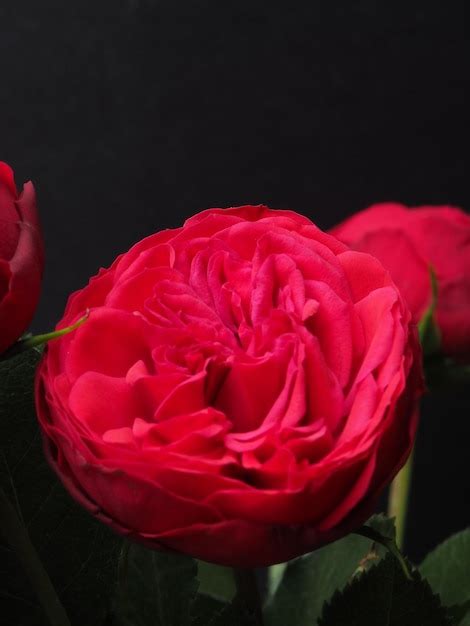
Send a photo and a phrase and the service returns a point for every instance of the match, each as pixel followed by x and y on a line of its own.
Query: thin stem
pixel 39 340
pixel 34 341
pixel 16 535
pixel 248 592
pixel 398 499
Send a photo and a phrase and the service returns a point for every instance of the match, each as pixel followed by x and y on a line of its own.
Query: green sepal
pixel 429 332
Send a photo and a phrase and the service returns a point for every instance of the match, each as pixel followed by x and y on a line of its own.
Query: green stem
pixel 34 341
pixel 16 535
pixel 248 593
pixel 39 340
pixel 398 499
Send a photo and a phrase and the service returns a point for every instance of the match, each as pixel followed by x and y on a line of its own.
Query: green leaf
pixel 157 589
pixel 460 613
pixel 447 568
pixel 208 611
pixel 162 589
pixel 275 576
pixel 216 580
pixel 383 525
pixel 388 543
pixel 232 615
pixel 383 595
pixel 78 553
pixel 429 332
pixel 204 608
pixel 311 580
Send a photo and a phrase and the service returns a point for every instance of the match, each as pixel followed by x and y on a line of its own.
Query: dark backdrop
pixel 131 115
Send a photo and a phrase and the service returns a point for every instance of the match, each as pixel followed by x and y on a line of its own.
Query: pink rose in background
pixel 410 240
pixel 21 257
pixel 243 389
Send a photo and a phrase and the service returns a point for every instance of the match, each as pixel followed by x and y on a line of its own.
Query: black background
pixel 131 115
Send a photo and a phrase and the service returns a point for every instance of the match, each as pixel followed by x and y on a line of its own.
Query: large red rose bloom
pixel 21 257
pixel 243 388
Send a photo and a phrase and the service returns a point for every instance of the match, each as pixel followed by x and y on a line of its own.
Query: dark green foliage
pixel 447 568
pixel 311 580
pixel 157 588
pixel 79 554
pixel 216 580
pixel 383 595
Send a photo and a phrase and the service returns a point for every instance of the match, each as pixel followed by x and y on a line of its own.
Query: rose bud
pixel 21 257
pixel 410 241
pixel 243 389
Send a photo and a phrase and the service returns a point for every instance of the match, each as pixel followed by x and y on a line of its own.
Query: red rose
pixel 21 257
pixel 409 241
pixel 242 390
